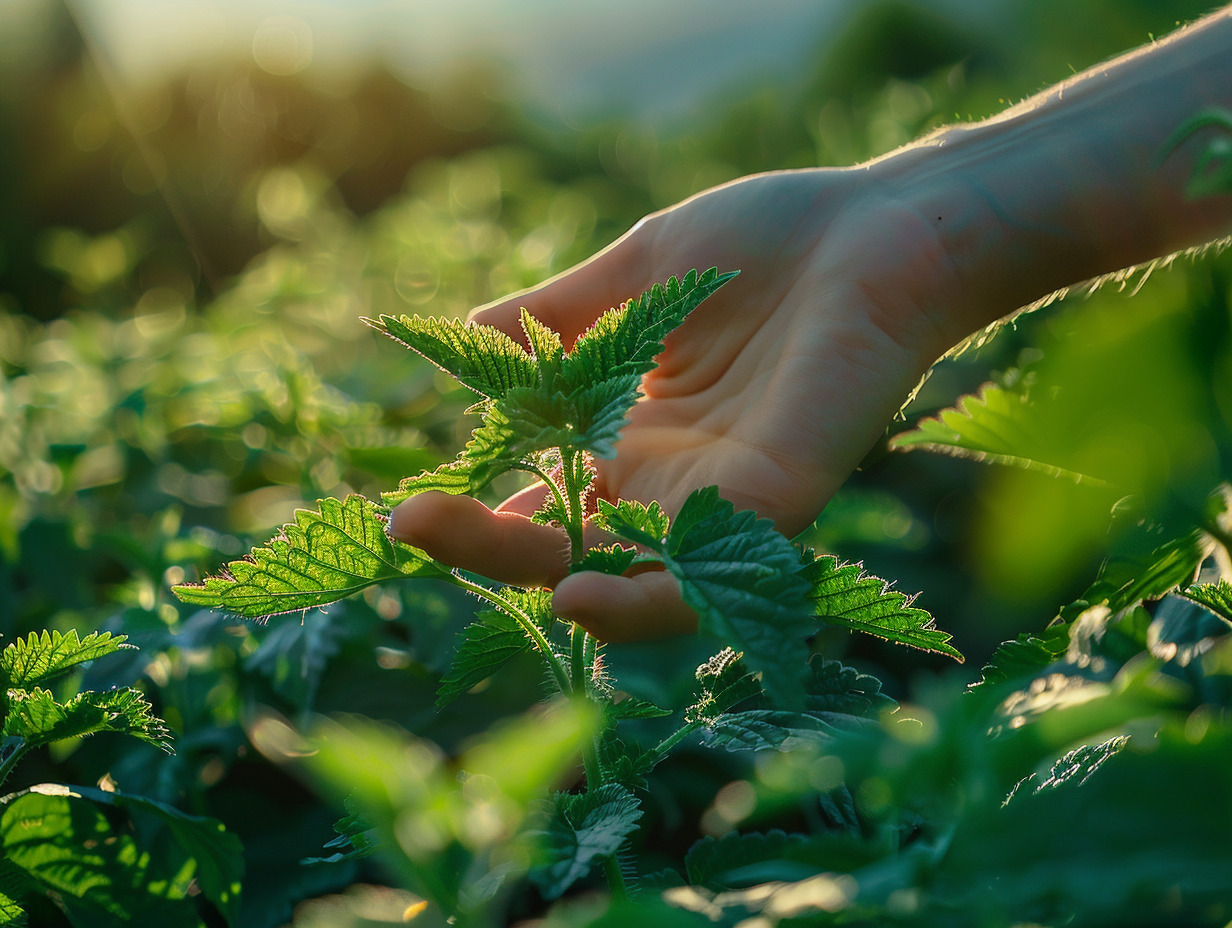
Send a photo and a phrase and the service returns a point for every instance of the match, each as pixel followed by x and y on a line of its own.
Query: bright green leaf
pixel 318 559
pixel 644 524
pixel 42 656
pixel 842 594
pixel 480 357
pixel 1216 597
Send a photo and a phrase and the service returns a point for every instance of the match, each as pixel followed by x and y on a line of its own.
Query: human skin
pixel 853 282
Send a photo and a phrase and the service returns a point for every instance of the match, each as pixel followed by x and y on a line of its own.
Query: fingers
pixel 637 608
pixel 573 299
pixel 463 532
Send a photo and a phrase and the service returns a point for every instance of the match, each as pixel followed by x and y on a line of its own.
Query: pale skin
pixel 853 282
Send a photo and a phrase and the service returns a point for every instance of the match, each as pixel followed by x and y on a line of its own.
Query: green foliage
pixel 44 656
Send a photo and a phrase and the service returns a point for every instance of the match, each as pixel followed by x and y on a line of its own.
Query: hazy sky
pixel 573 55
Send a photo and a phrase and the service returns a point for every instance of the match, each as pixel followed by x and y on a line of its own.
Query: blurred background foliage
pixel 183 261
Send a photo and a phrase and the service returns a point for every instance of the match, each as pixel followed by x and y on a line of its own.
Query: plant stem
pixel 12 749
pixel 531 629
pixel 676 737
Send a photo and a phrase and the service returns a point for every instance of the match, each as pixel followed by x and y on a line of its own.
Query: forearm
pixel 1072 184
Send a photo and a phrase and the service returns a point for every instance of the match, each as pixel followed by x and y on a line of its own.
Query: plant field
pixel 991 686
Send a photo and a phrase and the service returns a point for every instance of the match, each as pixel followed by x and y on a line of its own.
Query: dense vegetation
pixel 153 428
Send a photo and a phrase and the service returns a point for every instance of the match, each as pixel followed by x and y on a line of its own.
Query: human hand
pixel 773 389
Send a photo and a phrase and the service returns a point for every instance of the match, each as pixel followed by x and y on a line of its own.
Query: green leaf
pixel 626 340
pixel 353 833
pixel 638 522
pixel 1216 597
pixel 37 717
pixel 744 580
pixel 42 656
pixel 836 691
pixel 480 357
pixel 725 682
pixel 1126 580
pixel 453 478
pixel 843 595
pixel 765 729
pixel 65 840
pixel 1025 656
pixel 583 829
pixel 613 559
pixel 318 559
pixel 488 643
pixel 996 425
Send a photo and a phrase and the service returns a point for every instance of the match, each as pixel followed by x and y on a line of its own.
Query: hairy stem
pixel 532 630
pixel 12 750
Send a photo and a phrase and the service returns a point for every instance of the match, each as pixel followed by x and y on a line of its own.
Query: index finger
pixel 572 300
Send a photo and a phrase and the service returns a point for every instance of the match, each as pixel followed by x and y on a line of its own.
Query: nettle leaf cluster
pixel 85 849
pixel 550 413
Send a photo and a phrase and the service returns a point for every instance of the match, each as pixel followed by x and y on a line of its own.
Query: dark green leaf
pixel 725 683
pixel 583 829
pixel 766 729
pixel 1128 579
pixel 744 580
pixel 833 688
pixel 318 559
pixel 484 646
pixel 842 594
pixel 1025 656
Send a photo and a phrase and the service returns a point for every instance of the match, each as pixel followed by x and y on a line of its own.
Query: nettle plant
pixel 101 856
pixel 550 413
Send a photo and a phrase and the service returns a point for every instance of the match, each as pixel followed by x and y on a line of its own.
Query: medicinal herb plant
pixel 549 413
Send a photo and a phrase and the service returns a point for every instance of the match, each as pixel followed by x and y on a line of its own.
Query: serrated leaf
pixel 42 656
pixel 843 595
pixel 1126 580
pixel 1025 656
pixel 1216 597
pixel 484 646
pixel 834 689
pixel 480 357
pixel 613 559
pixel 725 683
pixel 583 829
pixel 993 425
pixel 638 522
pixel 37 717
pixel 744 581
pixel 630 707
pixel 626 340
pixel 453 478
pixel 320 558
pixel 767 729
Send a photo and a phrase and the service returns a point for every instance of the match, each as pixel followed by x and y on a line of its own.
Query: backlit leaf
pixel 43 656
pixel 480 357
pixel 842 594
pixel 318 559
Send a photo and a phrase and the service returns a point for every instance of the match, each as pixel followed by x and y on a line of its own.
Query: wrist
pixel 1072 184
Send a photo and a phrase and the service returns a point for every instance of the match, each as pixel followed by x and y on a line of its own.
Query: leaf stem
pixel 676 737
pixel 532 630
pixel 12 749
